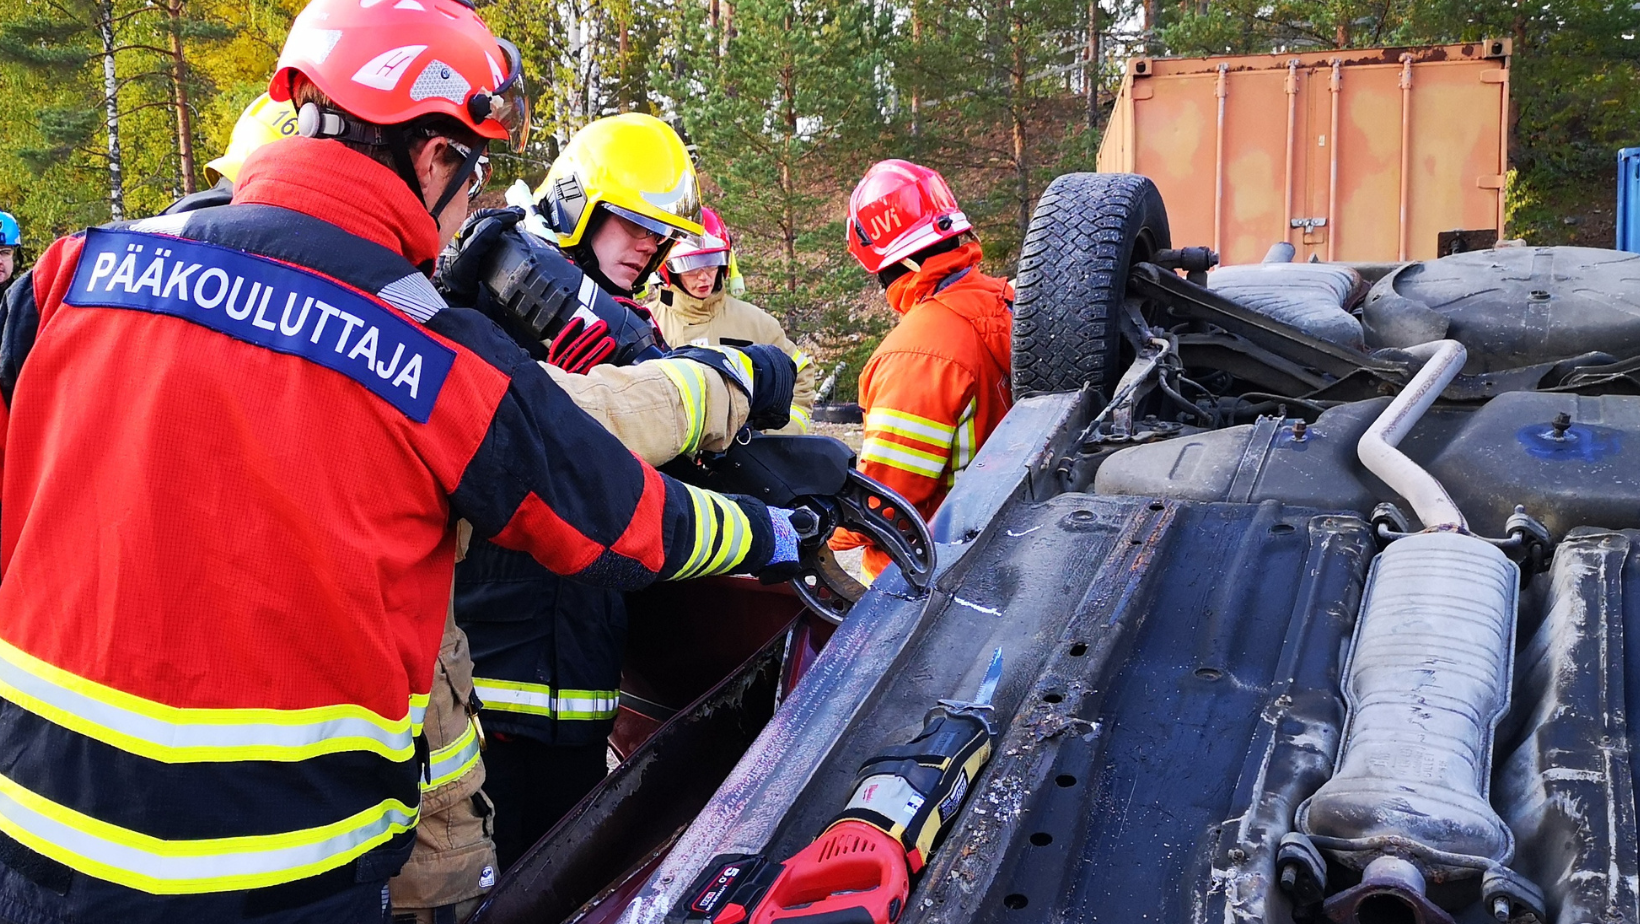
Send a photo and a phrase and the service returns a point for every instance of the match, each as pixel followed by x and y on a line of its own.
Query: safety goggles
pixel 509 103
pixel 481 168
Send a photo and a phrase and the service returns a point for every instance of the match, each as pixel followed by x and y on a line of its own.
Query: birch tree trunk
pixel 111 104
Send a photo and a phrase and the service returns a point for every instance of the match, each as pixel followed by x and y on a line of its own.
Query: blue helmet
pixel 10 234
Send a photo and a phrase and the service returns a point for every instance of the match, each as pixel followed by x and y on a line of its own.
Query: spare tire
pixel 1088 228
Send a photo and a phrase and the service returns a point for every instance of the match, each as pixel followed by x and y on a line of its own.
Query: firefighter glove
pixel 783 563
pixel 580 346
pixel 461 265
pixel 765 374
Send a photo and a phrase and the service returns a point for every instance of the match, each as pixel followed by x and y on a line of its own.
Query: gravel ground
pixel 848 433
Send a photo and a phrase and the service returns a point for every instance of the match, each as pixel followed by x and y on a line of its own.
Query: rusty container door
pixel 1368 155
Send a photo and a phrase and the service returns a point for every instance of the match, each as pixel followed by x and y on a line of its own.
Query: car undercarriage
pixel 1267 661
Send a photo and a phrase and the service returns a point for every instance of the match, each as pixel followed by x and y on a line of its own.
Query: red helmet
pixel 710 249
pixel 898 209
pixel 390 61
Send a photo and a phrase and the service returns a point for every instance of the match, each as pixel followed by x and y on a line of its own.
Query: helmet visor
pixel 661 229
pixel 509 105
pixel 695 261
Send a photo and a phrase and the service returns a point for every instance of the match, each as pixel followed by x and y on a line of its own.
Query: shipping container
pixel 1360 155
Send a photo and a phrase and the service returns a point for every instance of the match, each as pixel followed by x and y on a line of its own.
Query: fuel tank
pixel 1583 471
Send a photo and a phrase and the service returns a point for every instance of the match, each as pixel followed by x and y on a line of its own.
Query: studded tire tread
pixel 1088 228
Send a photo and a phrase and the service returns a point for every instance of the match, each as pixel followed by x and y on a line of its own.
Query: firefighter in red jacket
pixel 938 384
pixel 235 445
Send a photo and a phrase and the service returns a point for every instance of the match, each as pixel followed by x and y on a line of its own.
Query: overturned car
pixel 1314 583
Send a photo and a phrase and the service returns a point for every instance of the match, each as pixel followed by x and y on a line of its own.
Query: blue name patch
pixel 267 303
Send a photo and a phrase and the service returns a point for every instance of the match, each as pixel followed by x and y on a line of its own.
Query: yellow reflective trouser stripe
pixel 181 867
pixel 903 458
pixel 540 699
pixel 723 535
pixel 802 419
pixel 172 734
pixel 452 761
pixel 690 379
pixel 899 423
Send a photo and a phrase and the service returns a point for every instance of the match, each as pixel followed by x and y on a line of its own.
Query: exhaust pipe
pixel 1443 360
pixel 1391 892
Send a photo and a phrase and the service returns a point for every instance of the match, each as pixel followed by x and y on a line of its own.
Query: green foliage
pixel 46 43
pixel 787 102
pixel 773 111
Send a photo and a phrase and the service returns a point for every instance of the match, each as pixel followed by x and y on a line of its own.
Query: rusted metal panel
pixel 1361 155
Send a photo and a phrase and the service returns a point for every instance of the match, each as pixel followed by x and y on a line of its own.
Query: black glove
pixel 648 316
pixel 461 265
pixel 762 372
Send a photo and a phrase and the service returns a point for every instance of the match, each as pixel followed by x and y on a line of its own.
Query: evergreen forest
pixel 111 108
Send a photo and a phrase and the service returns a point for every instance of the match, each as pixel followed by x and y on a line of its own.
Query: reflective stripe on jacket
pixel 937 385
pixel 228 529
pixel 720 319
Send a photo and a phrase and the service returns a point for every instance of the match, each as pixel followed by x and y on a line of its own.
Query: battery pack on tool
pixel 854 873
pixel 858 871
pixel 912 792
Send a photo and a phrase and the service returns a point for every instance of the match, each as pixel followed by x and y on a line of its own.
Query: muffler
pixel 1427 681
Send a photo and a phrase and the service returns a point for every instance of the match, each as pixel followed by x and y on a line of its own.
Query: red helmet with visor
pixel 390 61
pixel 898 209
pixel 692 253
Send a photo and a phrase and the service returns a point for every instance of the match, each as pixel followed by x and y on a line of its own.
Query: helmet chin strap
pixel 399 146
pixel 457 181
pixel 399 143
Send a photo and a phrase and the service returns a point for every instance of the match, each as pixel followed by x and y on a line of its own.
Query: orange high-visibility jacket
pixel 937 385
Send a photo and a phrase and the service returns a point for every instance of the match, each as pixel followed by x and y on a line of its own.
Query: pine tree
pixel 100 63
pixel 994 82
pixel 783 113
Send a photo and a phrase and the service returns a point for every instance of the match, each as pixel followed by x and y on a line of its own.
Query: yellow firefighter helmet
pixel 632 165
pixel 263 121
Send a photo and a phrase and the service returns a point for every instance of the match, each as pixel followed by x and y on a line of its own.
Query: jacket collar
pixel 692 310
pixel 330 181
pixel 912 288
